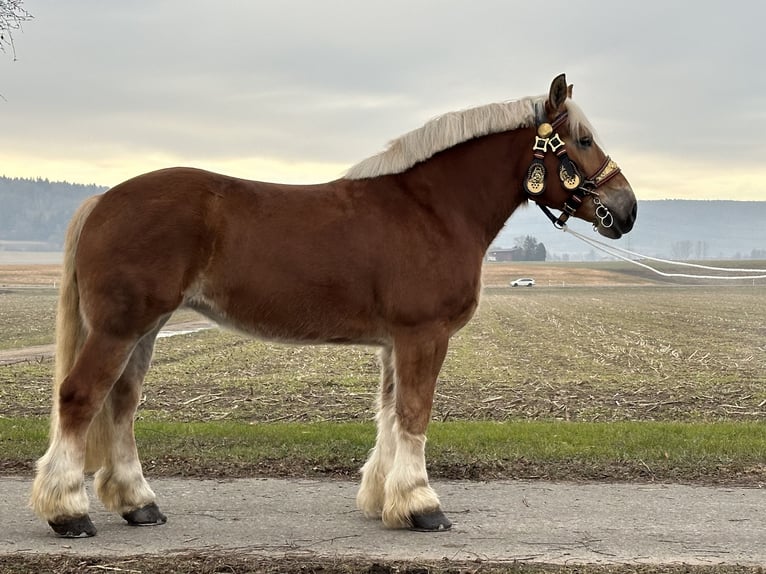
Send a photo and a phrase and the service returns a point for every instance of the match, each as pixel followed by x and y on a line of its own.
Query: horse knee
pixel 77 405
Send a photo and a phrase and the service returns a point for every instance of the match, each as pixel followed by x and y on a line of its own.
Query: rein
pixel 547 139
pixel 633 257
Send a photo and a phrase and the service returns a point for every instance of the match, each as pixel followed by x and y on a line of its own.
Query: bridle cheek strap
pixel 534 183
pixel 604 173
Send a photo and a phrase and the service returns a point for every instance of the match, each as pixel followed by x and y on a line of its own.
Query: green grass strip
pixel 647 441
pixel 684 445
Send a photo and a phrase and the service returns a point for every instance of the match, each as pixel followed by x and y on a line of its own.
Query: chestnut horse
pixel 389 255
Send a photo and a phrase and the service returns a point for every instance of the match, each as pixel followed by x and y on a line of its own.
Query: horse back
pixel 332 262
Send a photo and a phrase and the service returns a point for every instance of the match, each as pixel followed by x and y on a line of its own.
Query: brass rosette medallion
pixel 534 184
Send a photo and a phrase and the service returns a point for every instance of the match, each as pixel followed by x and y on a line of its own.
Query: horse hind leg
pixel 111 450
pixel 371 495
pixel 58 492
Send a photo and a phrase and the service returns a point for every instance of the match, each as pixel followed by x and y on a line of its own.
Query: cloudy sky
pixel 298 90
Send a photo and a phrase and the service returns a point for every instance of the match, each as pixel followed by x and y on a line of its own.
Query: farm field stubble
pixel 571 354
pixel 579 354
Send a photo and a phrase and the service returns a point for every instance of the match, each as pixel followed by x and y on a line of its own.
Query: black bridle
pixel 547 139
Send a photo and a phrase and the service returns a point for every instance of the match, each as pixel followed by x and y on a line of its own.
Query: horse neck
pixel 481 180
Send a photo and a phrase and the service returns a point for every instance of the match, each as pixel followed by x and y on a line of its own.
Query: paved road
pixel 45 352
pixel 498 521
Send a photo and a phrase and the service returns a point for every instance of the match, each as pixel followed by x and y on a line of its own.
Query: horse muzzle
pixel 615 212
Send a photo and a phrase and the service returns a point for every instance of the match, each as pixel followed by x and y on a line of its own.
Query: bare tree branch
pixel 12 14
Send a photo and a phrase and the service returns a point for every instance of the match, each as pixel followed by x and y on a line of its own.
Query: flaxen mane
pixel 453 128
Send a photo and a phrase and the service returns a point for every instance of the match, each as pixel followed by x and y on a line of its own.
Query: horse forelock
pixel 446 131
pixel 578 123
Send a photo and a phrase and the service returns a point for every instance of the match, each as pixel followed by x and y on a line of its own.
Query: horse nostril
pixel 630 219
pixel 624 212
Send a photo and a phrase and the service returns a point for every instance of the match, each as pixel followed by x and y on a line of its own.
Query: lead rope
pixel 618 252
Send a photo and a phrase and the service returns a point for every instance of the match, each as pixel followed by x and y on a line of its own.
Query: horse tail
pixel 71 330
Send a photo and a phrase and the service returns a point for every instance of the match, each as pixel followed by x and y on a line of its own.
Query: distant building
pixel 502 254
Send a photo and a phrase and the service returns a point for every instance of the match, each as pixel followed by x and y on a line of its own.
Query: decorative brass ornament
pixel 541 144
pixel 570 179
pixel 544 130
pixel 609 170
pixel 555 143
pixel 534 184
pixel 569 174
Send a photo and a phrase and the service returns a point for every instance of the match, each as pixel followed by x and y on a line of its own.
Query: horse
pixel 389 255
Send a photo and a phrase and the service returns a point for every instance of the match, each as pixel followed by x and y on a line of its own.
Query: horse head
pixel 570 172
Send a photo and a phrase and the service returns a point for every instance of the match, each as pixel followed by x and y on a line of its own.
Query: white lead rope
pixel 618 252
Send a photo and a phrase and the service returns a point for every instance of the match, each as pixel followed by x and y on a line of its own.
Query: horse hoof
pixel 78 527
pixel 148 515
pixel 430 522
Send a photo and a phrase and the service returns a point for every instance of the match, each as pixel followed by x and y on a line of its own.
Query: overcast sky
pixel 297 91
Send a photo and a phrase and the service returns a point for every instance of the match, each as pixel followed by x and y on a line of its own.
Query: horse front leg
pixel 410 502
pixel 371 495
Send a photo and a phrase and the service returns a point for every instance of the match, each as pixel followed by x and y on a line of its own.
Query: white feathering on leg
pixel 407 490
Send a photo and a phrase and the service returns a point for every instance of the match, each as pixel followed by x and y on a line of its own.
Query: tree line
pixel 39 210
pixel 528 248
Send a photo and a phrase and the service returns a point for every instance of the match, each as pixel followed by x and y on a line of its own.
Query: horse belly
pixel 356 303
pixel 280 307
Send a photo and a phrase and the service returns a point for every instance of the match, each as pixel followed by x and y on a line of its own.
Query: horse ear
pixel 558 95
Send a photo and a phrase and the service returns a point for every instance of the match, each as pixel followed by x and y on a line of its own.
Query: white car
pixel 523 282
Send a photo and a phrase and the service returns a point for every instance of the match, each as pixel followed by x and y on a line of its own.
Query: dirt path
pixel 537 521
pixel 44 352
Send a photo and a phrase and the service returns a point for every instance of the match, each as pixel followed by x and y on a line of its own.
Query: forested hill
pixel 34 215
pixel 670 228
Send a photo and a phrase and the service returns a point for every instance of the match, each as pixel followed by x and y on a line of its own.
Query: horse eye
pixel 585 141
